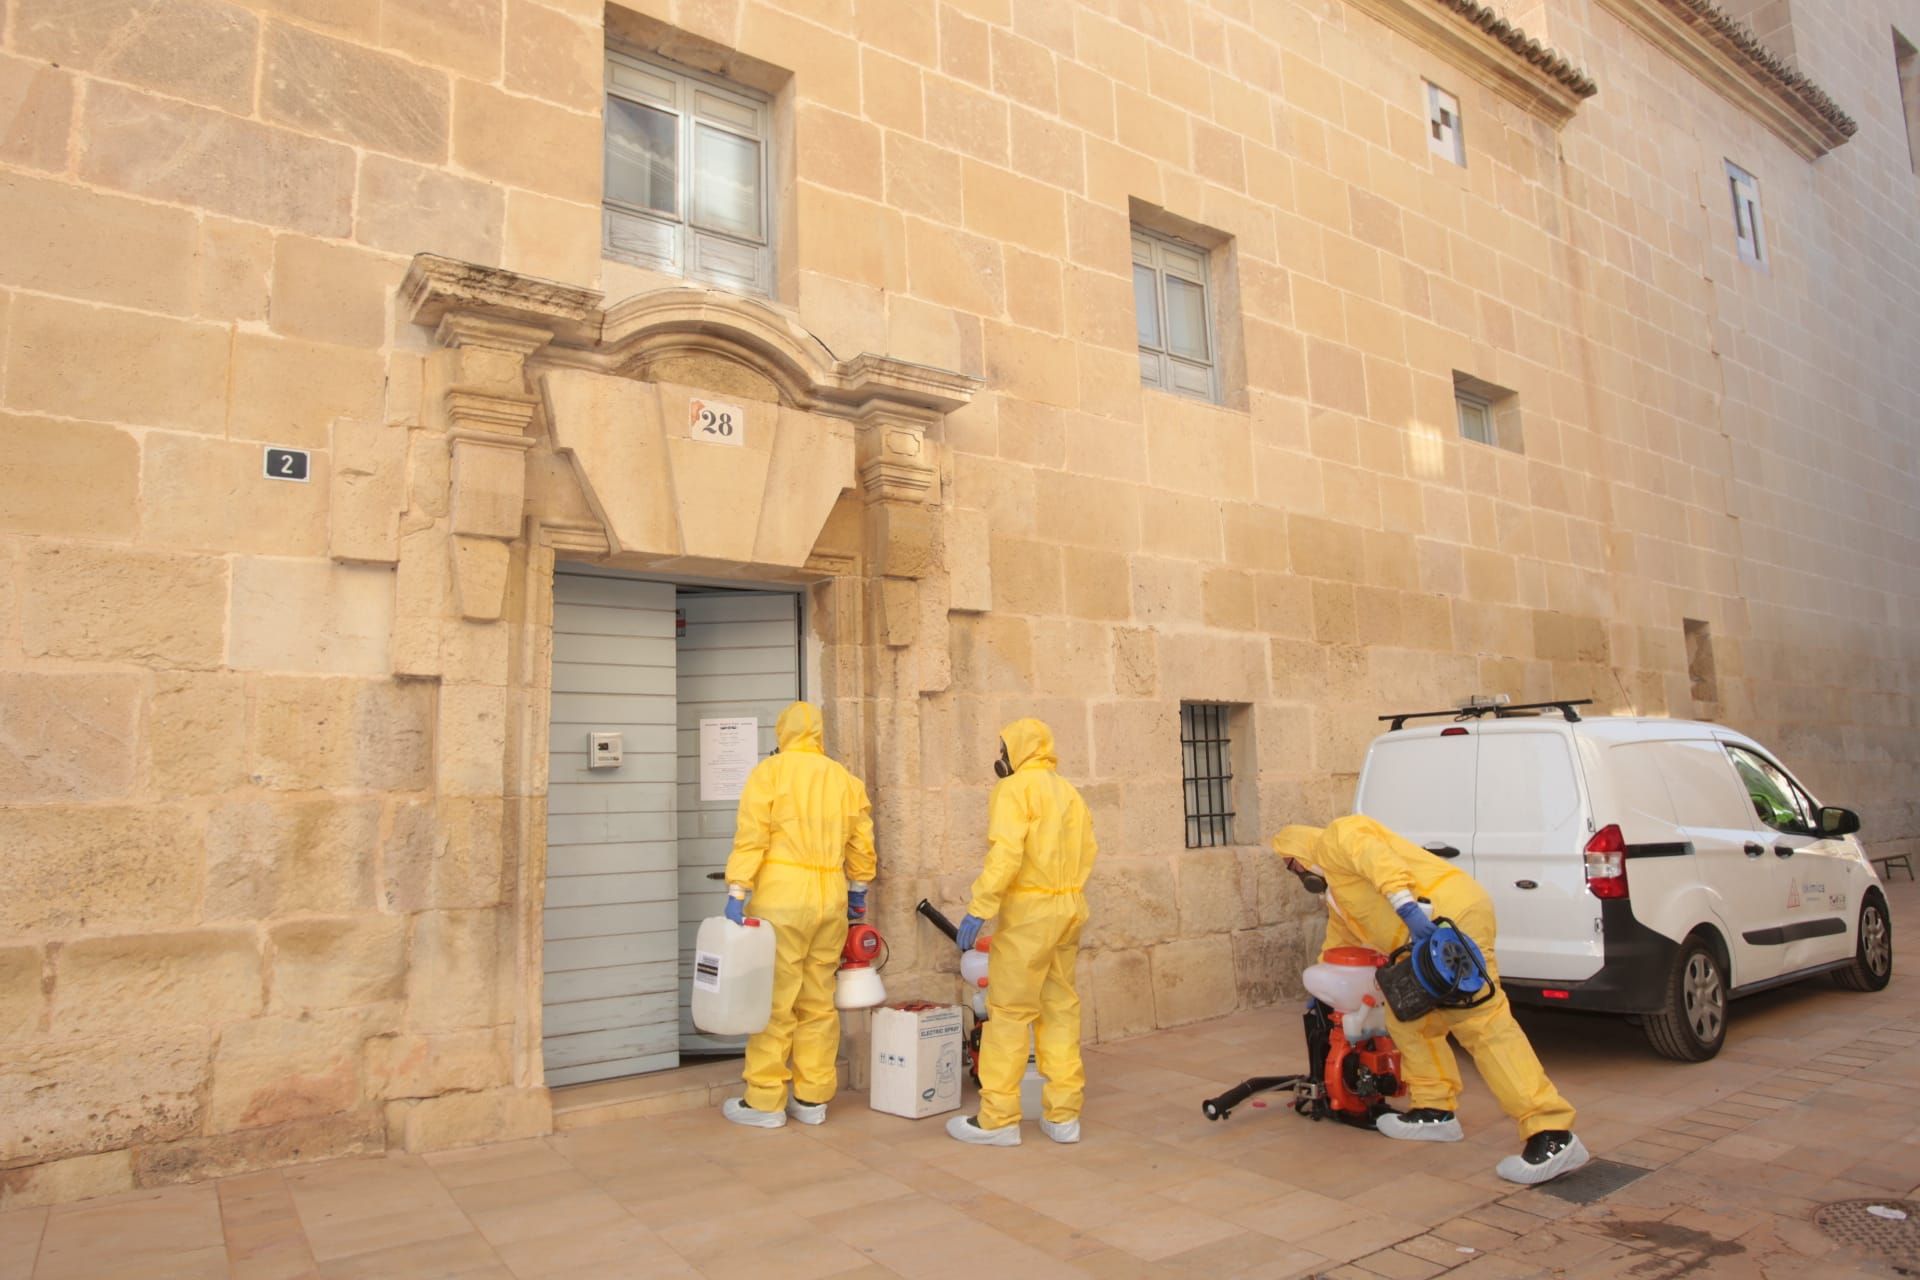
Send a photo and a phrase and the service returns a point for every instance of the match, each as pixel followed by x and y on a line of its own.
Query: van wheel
pixel 1872 966
pixel 1692 1024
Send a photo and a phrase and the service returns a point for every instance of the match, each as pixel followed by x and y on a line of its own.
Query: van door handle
pixel 1443 851
pixel 1754 850
pixel 1783 851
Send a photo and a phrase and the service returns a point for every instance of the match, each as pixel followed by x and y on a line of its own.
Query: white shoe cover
pixel 964 1129
pixel 1397 1126
pixel 1066 1131
pixel 737 1110
pixel 805 1114
pixel 1565 1160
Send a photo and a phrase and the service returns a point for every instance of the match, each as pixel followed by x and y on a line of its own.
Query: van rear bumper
pixel 1632 978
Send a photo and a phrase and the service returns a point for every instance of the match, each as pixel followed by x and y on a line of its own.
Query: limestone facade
pixel 273 754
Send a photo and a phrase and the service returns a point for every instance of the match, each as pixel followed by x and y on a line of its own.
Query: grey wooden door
pixel 739 657
pixel 612 910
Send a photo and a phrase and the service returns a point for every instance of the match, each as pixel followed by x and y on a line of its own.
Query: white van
pixel 1655 868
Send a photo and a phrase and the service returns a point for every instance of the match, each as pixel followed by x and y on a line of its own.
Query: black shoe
pixel 1422 1124
pixel 1548 1154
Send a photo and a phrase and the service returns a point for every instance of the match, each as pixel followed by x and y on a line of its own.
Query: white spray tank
pixel 732 976
pixel 1346 979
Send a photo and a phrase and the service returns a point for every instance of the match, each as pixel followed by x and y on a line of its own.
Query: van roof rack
pixel 1499 711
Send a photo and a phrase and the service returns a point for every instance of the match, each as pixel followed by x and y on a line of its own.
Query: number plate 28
pixel 716 423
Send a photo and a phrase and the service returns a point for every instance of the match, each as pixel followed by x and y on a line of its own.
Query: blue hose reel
pixel 1445 972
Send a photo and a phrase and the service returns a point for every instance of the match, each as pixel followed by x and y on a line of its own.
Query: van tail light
pixel 1607 863
pixel 1455 732
pixel 1554 993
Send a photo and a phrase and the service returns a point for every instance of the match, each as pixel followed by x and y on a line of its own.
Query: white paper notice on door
pixel 728 751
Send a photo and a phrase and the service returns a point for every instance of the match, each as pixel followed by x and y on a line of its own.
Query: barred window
pixel 1206 766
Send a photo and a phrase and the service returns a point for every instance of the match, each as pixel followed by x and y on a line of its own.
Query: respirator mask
pixel 1310 880
pixel 1003 767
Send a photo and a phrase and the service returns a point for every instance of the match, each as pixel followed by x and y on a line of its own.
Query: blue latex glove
pixel 856 904
pixel 970 928
pixel 1419 927
pixel 736 909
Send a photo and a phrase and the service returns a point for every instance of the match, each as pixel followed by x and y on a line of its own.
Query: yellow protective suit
pixel 1364 863
pixel 1040 850
pixel 804 827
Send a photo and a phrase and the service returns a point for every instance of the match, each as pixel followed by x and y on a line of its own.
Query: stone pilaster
pixel 488 411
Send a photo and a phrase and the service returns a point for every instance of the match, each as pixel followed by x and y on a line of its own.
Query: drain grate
pixel 1597 1179
pixel 1895 1239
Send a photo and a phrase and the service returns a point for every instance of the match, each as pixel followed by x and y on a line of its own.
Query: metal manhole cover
pixel 1853 1222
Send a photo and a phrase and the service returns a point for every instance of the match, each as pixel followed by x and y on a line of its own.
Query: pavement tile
pixel 506 1161
pixel 20 1232
pixel 1295 1216
pixel 1494 1267
pixel 465 1257
pixel 1360 1237
pixel 627 1246
pixel 1809 1103
pixel 166 1230
pixel 1477 1235
pixel 1157 1236
pixel 1396 1264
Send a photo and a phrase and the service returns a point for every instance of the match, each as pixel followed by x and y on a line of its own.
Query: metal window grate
pixel 1206 766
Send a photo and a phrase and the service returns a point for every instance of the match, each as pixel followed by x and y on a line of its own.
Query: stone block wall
pixel 262 833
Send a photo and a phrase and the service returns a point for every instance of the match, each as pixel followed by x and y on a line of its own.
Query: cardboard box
pixel 917 1062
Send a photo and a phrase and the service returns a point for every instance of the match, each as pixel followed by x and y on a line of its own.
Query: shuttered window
pixel 686 186
pixel 1173 317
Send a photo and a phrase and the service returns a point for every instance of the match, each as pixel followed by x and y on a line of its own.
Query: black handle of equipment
pixel 1754 850
pixel 1783 851
pixel 1443 851
pixel 940 922
pixel 1221 1107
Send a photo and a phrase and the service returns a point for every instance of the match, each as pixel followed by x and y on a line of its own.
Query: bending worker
pixel 1040 850
pixel 803 849
pixel 1376 885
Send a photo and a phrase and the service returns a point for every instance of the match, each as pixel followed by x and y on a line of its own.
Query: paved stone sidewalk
pixel 1720 1168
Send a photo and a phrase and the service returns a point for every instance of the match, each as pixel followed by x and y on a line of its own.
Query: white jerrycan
pixel 732 976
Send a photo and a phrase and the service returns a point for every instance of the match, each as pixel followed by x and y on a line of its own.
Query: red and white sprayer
pixel 857 985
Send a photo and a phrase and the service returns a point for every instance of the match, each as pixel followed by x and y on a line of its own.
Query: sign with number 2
pixel 717 423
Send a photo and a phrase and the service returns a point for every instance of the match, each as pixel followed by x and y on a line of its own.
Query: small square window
pixel 1173 316
pixel 686 177
pixel 1906 62
pixel 1749 236
pixel 1445 136
pixel 1700 672
pixel 1476 416
pixel 1206 772
pixel 1487 414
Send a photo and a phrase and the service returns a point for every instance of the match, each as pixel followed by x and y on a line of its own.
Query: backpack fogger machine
pixel 973 971
pixel 1352 1066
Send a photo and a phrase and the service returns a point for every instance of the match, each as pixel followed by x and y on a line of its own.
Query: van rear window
pixel 1420 785
pixel 1527 784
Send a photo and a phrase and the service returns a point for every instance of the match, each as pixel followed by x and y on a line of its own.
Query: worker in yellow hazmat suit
pixel 1040 849
pixel 1381 890
pixel 803 850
